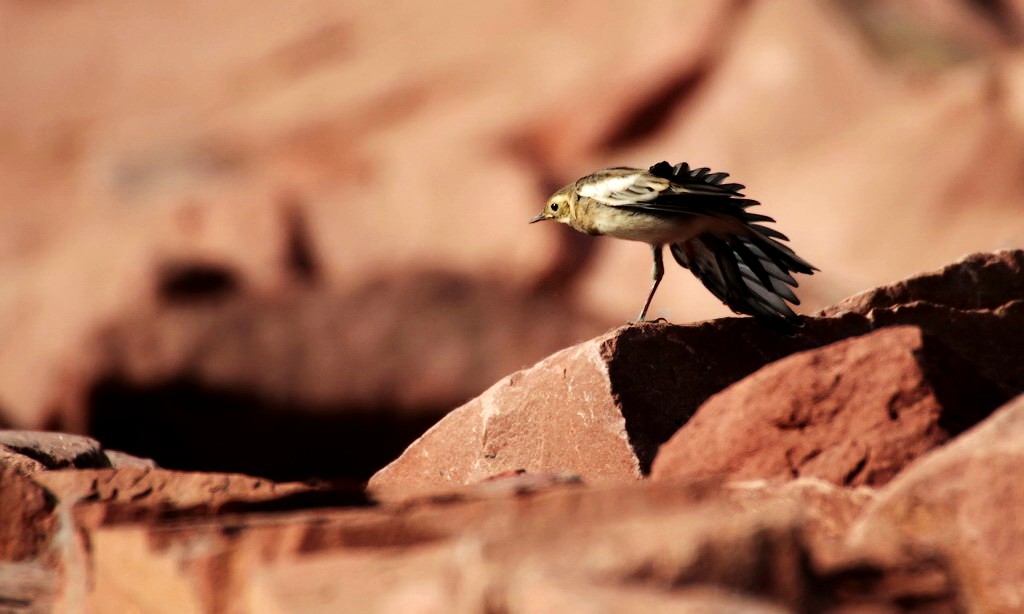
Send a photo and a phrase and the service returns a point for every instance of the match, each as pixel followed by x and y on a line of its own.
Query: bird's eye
pixel 554 206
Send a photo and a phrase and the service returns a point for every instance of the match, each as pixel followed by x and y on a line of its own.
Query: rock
pixel 985 338
pixel 962 501
pixel 826 511
pixel 975 306
pixel 27 520
pixel 541 594
pixel 34 451
pixel 408 547
pixel 123 460
pixel 143 486
pixel 287 388
pixel 263 200
pixel 29 587
pixel 23 464
pixel 977 281
pixel 854 413
pixel 604 405
pixel 534 541
pixel 596 410
pixel 561 411
pixel 55 450
pixel 636 544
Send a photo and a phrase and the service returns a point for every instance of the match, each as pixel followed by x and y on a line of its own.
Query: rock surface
pixel 854 413
pixel 976 282
pixel 643 382
pixel 175 381
pixel 632 545
pixel 32 451
pixel 543 501
pixel 244 178
pixel 240 240
pixel 963 501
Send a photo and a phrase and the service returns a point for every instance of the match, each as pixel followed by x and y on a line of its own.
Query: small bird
pixel 704 222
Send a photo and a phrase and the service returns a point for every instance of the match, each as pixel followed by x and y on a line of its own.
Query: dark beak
pixel 540 217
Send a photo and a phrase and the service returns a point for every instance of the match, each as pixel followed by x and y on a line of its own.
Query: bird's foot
pixel 645 321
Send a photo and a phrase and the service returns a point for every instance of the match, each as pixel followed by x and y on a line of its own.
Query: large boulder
pixel 525 550
pixel 854 412
pixel 601 409
pixel 964 502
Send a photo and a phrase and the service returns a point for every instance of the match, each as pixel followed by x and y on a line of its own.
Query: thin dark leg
pixel 657 272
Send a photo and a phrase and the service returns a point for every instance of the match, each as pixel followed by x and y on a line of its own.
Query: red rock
pixel 623 379
pixel 30 587
pixel 979 315
pixel 985 338
pixel 826 511
pixel 55 450
pixel 122 460
pixel 961 501
pixel 20 462
pixel 977 281
pixel 854 413
pixel 34 451
pixel 145 486
pixel 541 594
pixel 596 410
pixel 311 386
pixel 27 520
pixel 408 544
pixel 525 422
pixel 637 544
pixel 265 196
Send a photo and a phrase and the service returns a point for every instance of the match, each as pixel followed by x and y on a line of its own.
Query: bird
pixel 704 222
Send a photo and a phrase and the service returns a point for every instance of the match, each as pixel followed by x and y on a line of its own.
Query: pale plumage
pixel 704 222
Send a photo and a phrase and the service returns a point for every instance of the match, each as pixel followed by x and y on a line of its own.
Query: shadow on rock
pixel 186 425
pixel 310 382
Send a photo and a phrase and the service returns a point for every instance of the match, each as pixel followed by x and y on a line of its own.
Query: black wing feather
pixel 702 178
pixel 751 272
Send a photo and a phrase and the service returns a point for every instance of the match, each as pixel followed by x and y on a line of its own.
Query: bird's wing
pixel 751 275
pixel 667 189
pixel 746 267
pixel 697 180
pixel 617 187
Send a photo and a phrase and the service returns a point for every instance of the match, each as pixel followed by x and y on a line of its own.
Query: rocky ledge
pixel 871 463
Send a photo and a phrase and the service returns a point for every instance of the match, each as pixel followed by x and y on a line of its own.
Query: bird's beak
pixel 540 217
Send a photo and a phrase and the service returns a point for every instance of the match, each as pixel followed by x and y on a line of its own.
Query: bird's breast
pixel 633 225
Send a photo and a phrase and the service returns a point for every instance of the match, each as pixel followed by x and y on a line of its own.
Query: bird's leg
pixel 657 272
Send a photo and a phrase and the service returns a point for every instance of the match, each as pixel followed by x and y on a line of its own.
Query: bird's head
pixel 558 206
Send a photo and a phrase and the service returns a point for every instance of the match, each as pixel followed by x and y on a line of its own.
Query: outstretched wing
pixel 746 267
pixel 621 186
pixel 698 180
pixel 665 189
pixel 751 274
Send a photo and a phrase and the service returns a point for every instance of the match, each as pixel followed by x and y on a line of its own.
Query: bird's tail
pixel 748 267
pixel 750 272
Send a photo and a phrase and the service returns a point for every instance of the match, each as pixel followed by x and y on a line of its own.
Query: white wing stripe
pixel 608 187
pixel 624 189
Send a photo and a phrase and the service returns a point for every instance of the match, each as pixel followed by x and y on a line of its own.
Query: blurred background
pixel 284 239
